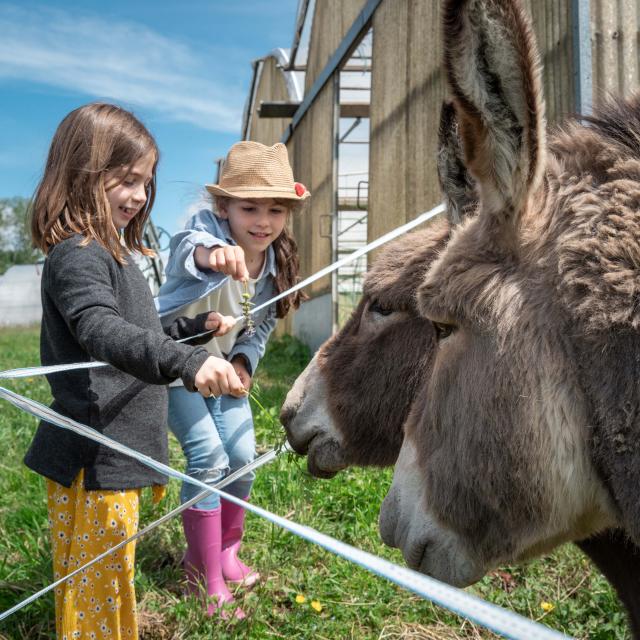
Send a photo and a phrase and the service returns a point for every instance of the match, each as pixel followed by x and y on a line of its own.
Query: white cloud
pixel 125 62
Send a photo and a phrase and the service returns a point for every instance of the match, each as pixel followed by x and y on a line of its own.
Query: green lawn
pixel 354 604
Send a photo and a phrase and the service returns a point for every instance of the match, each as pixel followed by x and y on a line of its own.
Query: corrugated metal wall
pixel 615 34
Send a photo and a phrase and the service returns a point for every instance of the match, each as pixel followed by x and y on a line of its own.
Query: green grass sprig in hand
pixel 246 303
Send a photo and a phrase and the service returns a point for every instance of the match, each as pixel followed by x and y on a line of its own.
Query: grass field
pixel 562 590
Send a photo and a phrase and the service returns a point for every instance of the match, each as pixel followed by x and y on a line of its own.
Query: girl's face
pixel 254 223
pixel 127 197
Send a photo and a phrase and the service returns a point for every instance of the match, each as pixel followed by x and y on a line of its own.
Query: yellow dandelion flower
pixel 547 606
pixel 315 604
pixel 300 599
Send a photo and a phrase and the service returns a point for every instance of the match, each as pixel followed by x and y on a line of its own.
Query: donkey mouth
pixel 325 456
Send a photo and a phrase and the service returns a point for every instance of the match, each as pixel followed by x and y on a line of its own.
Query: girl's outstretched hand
pixel 218 323
pixel 217 377
pixel 228 260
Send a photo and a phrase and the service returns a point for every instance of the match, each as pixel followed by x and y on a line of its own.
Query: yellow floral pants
pixel 99 602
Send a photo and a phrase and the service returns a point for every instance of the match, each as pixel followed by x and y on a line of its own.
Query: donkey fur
pixel 382 353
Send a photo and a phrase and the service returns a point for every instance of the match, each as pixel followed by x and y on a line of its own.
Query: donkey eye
pixel 376 307
pixel 443 330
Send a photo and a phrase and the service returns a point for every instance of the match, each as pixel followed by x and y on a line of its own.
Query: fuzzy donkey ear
pixel 458 187
pixel 493 70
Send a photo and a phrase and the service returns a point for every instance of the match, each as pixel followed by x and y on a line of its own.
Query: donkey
pixel 349 405
pixel 521 436
pixel 526 433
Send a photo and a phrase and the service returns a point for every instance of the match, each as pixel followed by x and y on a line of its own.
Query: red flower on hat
pixel 300 189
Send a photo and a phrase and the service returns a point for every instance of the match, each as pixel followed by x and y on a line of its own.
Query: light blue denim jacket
pixel 186 283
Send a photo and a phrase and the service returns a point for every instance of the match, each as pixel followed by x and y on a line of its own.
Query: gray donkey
pixel 527 431
pixel 524 432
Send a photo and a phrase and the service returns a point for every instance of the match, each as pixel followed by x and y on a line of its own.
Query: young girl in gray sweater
pixel 88 215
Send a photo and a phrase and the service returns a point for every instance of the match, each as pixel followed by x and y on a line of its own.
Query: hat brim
pixel 261 192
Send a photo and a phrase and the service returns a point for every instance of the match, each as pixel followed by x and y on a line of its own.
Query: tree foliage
pixel 15 237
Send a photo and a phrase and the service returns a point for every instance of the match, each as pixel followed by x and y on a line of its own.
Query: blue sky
pixel 183 67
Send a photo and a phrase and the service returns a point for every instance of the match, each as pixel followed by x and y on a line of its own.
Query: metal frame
pixel 335 301
pixel 343 52
pixel 582 62
pixel 287 109
pixel 302 18
pixel 153 263
pixel 251 98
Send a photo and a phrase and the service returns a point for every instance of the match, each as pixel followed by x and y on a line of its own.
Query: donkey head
pixel 495 464
pixel 350 404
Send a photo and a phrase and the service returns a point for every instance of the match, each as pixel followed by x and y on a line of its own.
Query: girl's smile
pixel 254 223
pixel 128 196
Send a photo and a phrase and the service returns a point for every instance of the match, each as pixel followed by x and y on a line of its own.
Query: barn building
pixel 357 99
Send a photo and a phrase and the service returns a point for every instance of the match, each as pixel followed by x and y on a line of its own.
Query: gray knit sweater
pixel 96 309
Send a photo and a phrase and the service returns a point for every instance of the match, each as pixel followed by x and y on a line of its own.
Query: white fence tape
pixel 504 622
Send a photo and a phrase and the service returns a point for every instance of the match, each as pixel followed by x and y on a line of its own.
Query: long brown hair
pixel 287 260
pixel 71 197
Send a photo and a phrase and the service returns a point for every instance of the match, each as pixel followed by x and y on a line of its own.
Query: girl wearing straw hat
pixel 243 247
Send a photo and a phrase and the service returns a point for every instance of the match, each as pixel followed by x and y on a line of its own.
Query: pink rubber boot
pixel 203 534
pixel 233 569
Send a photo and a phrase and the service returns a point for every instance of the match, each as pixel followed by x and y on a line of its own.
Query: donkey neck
pixel 608 367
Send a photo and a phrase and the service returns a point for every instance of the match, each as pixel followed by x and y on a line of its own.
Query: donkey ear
pixel 493 71
pixel 458 187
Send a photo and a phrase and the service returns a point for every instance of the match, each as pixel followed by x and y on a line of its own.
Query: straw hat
pixel 253 170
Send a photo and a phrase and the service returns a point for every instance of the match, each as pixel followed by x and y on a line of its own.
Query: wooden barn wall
pixel 407 89
pixel 311 153
pixel 331 22
pixel 271 87
pixel 553 27
pixel 615 36
pixel 311 145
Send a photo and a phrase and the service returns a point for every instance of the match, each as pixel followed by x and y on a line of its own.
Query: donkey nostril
pixel 286 414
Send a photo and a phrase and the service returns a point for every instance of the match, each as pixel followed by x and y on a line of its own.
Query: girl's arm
pixel 80 281
pixel 228 260
pixel 252 349
pixel 203 232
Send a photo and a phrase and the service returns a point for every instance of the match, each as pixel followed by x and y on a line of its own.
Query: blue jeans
pixel 217 438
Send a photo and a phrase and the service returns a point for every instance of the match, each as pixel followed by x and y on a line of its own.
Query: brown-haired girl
pixel 87 216
pixel 243 248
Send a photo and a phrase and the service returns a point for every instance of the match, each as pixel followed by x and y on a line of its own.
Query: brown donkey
pixel 350 404
pixel 526 433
